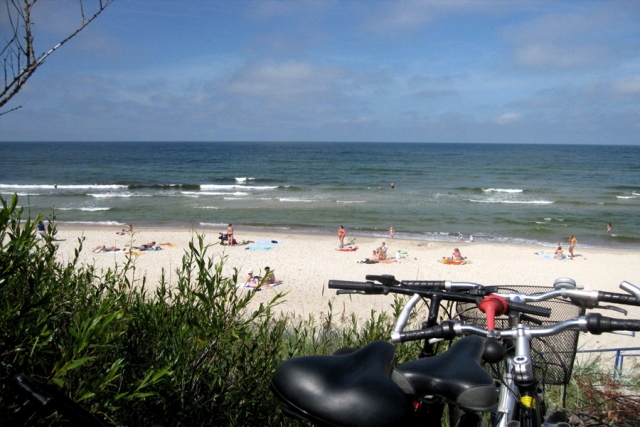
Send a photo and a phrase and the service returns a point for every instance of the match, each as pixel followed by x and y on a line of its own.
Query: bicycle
pixel 49 398
pixel 362 387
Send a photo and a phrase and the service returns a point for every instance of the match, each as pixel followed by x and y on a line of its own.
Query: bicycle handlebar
pixel 594 323
pixel 577 296
pixel 372 288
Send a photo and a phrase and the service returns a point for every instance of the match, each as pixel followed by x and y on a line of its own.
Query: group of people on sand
pixel 380 252
pixel 228 236
pixel 559 254
pixel 266 282
pixel 125 231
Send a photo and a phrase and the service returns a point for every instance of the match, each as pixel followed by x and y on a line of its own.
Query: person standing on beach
pixel 392 232
pixel 341 233
pixel 230 235
pixel 572 244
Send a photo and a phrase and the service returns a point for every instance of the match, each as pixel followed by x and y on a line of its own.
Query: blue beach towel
pixel 263 245
pixel 551 256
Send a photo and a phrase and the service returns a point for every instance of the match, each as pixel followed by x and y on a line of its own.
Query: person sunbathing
pixel 103 248
pixel 269 277
pixel 381 252
pixel 559 254
pixel 456 255
pixel 254 282
pixel 145 247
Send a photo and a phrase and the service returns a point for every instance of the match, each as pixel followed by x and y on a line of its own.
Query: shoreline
pixel 433 237
pixel 305 262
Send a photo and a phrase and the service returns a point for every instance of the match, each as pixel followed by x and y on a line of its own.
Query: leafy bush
pixel 191 354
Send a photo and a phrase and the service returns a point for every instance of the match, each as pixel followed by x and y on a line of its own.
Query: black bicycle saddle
pixel 350 390
pixel 455 374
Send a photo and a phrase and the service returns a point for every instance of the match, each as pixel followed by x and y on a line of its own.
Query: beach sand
pixel 306 262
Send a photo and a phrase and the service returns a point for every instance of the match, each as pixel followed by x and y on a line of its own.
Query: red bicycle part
pixel 493 306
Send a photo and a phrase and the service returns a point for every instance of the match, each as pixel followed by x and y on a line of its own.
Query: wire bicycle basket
pixel 552 356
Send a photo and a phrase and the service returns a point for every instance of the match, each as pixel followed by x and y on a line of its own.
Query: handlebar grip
pixel 534 310
pixel 444 330
pixel 597 324
pixel 425 284
pixel 618 298
pixel 366 287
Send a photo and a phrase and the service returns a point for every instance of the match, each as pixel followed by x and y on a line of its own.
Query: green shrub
pixel 189 355
pixel 197 353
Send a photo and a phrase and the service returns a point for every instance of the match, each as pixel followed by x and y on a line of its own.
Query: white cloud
pixel 629 85
pixel 508 118
pixel 588 36
pixel 291 78
pixel 560 56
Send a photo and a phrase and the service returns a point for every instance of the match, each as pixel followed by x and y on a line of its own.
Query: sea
pixel 501 193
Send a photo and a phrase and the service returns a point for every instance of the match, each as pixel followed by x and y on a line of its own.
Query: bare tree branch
pixel 19 60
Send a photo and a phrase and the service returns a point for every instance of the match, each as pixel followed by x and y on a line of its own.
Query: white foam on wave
pixel 351 201
pixel 207 207
pixel 502 190
pixel 121 195
pixel 514 202
pixel 626 197
pixel 93 222
pixel 85 209
pixel 20 194
pixel 66 187
pixel 295 199
pixel 233 186
pixel 212 193
pixel 213 224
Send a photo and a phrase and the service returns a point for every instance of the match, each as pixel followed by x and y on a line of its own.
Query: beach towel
pixel 263 245
pixel 551 256
pixel 277 283
pixel 452 262
pixel 373 261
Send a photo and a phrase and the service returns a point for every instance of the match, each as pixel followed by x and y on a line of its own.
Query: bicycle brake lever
pixel 632 289
pixel 627 333
pixel 384 279
pixel 614 308
pixel 348 291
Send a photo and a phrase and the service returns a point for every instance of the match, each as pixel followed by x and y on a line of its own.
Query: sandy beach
pixel 306 262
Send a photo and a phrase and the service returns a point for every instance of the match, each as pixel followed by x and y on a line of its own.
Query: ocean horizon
pixel 501 193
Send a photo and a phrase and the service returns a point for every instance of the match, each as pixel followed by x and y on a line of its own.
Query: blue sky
pixel 345 70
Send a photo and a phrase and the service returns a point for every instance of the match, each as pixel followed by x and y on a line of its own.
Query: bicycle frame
pixel 530 357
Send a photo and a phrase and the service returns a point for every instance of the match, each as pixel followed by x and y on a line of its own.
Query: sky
pixel 544 72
